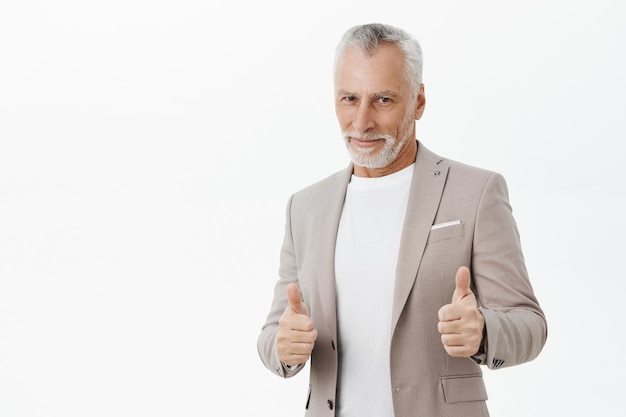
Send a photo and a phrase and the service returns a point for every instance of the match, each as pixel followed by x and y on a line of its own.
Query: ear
pixel 421 103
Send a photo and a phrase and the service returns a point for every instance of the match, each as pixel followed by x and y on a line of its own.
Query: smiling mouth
pixel 365 142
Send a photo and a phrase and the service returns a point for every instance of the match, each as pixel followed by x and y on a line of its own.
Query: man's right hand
pixel 296 333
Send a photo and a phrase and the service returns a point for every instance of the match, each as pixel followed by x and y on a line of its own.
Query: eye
pixel 384 100
pixel 349 99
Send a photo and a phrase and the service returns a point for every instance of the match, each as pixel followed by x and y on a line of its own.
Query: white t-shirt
pixel 366 255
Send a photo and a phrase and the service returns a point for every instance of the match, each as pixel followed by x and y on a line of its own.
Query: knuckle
pixel 441 327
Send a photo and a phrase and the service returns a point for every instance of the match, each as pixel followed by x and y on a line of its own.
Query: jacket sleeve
pixel 266 343
pixel 515 325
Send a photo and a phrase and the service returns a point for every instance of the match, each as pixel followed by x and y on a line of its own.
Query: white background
pixel 148 148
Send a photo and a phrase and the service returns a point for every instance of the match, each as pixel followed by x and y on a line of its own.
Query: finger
pixel 460 345
pixel 296 347
pixel 294 359
pixel 452 340
pixel 295 300
pixel 304 337
pixel 301 323
pixel 459 351
pixel 448 327
pixel 451 312
pixel 462 280
pixel 291 331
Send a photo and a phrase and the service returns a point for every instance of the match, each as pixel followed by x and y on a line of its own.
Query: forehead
pixel 384 69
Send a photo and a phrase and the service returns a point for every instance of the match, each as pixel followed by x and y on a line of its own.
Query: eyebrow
pixel 384 93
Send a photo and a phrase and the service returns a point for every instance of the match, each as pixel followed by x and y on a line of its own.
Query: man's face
pixel 375 105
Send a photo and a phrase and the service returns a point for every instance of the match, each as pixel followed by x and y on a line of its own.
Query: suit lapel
pixel 429 178
pixel 328 224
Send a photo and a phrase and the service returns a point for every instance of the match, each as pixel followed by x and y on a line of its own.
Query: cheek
pixel 405 123
pixel 391 123
pixel 344 116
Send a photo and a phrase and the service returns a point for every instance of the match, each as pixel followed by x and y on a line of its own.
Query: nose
pixel 363 118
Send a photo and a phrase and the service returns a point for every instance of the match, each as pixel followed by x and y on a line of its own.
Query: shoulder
pixel 320 202
pixel 471 175
pixel 463 181
pixel 458 171
pixel 321 189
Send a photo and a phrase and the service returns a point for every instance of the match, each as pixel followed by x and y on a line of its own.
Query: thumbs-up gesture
pixel 461 324
pixel 296 333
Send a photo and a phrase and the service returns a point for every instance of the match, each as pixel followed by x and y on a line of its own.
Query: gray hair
pixel 368 38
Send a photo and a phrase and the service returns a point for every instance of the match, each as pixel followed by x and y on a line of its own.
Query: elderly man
pixel 403 273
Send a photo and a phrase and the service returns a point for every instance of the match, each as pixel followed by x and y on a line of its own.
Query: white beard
pixel 362 157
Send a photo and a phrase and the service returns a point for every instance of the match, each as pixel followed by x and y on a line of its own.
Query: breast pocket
pixel 445 231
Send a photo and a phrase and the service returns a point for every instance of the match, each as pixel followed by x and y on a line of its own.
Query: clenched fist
pixel 296 332
pixel 461 324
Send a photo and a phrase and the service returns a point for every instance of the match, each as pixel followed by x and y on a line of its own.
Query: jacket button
pixel 329 403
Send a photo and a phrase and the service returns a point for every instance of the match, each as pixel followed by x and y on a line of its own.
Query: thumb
pixel 295 300
pixel 462 289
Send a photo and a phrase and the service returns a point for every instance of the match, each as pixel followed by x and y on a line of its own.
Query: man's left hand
pixel 461 324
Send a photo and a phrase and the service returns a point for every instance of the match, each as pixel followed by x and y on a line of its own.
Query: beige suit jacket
pixel 426 381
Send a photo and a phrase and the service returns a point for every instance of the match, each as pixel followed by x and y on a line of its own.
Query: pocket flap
pixel 464 388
